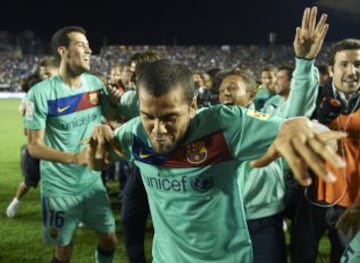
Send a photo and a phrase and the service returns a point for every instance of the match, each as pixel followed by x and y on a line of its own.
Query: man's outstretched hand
pixel 303 145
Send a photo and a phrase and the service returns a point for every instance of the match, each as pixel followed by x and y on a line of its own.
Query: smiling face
pixel 283 80
pixel 77 55
pixel 346 71
pixel 165 118
pixel 268 79
pixel 233 91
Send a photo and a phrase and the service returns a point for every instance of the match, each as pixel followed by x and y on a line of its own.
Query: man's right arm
pixel 39 150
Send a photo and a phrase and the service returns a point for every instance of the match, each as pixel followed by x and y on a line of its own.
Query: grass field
pixel 20 237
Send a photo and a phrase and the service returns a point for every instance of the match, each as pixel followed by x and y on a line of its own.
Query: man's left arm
pixel 307 44
pixel 304 89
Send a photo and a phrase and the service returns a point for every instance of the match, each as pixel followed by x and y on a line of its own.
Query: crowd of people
pixel 183 126
pixel 198 58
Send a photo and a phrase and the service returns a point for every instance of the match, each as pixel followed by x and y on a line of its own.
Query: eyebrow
pixel 170 114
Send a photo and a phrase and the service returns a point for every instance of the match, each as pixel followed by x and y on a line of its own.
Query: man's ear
pixel 193 107
pixel 331 70
pixel 61 51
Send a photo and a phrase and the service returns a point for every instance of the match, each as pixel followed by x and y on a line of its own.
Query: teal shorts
pixel 61 216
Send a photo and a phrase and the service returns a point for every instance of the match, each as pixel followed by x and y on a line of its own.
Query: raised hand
pixel 309 38
pixel 114 94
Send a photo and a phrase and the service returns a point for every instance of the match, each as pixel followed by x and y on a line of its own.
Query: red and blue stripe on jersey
pixel 75 103
pixel 208 150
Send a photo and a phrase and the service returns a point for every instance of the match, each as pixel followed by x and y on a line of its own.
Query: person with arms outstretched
pixel 197 208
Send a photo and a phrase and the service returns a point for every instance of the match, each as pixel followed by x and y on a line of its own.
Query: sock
pixel 55 260
pixel 102 256
pixel 15 200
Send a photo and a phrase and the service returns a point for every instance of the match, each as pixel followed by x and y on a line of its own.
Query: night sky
pixel 168 22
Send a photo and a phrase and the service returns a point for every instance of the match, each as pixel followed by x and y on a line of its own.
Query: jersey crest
pixel 196 153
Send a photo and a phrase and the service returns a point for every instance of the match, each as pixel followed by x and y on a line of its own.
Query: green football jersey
pixel 129 106
pixel 68 116
pixel 194 196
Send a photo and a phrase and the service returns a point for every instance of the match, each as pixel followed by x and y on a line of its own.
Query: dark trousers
pixel 30 168
pixel 268 240
pixel 134 213
pixel 307 228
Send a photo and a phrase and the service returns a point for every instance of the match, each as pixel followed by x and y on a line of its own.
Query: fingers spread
pixel 312 19
pixel 321 24
pixel 305 19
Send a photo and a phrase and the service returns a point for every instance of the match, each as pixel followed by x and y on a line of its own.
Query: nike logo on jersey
pixel 143 155
pixel 62 109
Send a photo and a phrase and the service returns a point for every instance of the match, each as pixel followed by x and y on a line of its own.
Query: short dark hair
pixel 246 74
pixel 289 70
pixel 61 38
pixel 269 68
pixel 346 44
pixel 49 62
pixel 323 69
pixel 141 59
pixel 162 76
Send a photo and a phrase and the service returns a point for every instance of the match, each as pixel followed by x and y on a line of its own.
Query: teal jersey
pixel 274 105
pixel 68 116
pixel 195 200
pixel 128 107
pixel 261 96
pixel 264 188
pixel 303 92
pixel 352 252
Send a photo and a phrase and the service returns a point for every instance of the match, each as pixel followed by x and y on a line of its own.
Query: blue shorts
pixel 30 168
pixel 61 216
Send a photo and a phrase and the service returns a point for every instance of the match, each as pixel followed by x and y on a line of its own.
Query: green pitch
pixel 21 237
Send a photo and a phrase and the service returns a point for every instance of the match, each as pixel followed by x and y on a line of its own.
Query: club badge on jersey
pixel 257 114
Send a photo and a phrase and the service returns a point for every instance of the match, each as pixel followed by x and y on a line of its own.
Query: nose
pixel 227 92
pixel 159 127
pixel 352 69
pixel 88 50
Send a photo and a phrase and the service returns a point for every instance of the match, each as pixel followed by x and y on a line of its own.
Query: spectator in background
pixel 324 74
pixel 203 92
pixel 268 86
pixel 119 82
pixel 48 67
pixel 276 103
pixel 120 78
